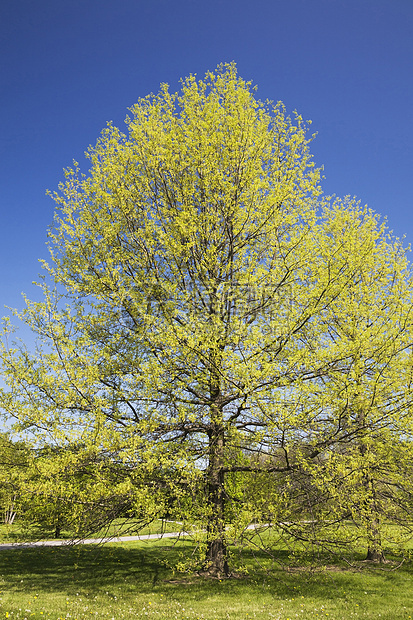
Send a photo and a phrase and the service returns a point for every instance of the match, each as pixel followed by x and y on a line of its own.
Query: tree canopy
pixel 208 315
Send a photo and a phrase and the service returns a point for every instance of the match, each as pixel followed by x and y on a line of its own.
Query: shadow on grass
pixel 143 568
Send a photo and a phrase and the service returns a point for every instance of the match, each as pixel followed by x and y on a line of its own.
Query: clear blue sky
pixel 69 66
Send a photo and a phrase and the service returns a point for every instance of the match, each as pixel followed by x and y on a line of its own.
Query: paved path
pixel 97 541
pixel 90 541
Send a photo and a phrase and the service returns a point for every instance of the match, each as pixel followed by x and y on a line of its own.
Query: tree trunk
pixel 374 545
pixel 9 517
pixel 370 508
pixel 58 521
pixel 216 562
pixel 375 554
pixel 372 523
pixel 10 513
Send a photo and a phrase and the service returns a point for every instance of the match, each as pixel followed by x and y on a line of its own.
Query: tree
pixel 359 437
pixel 81 491
pixel 190 273
pixel 15 460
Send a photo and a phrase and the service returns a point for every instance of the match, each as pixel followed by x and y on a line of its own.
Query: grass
pixel 132 580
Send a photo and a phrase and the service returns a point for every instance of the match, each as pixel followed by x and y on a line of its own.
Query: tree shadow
pixel 144 568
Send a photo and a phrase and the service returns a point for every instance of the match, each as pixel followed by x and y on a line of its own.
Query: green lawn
pixel 133 581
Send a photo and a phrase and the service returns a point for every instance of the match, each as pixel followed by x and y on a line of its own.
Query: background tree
pixel 15 459
pixel 78 491
pixel 359 439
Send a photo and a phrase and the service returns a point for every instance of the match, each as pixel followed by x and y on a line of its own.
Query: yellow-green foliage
pixel 209 320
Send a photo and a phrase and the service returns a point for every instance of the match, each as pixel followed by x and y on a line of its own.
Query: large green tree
pixel 191 272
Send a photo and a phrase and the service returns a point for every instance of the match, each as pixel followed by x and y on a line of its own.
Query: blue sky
pixel 67 67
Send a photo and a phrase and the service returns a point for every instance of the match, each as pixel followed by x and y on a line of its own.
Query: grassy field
pixel 133 581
